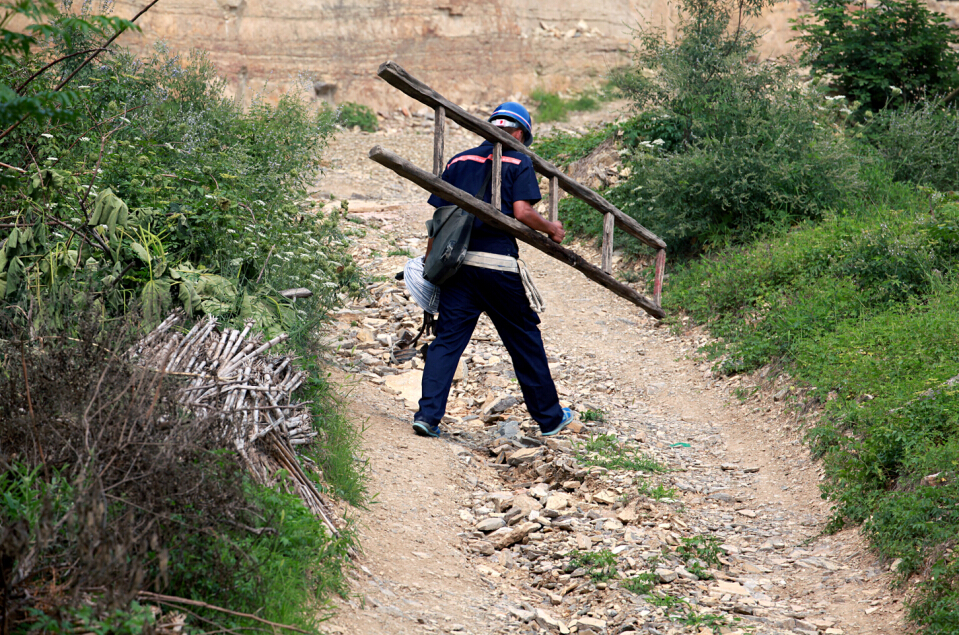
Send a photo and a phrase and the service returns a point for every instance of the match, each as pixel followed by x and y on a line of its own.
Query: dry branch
pixel 231 378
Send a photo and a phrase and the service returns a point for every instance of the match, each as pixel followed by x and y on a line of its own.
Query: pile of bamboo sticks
pixel 230 376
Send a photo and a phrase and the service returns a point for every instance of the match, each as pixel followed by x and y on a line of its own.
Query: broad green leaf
pixel 155 298
pixel 14 273
pixel 141 252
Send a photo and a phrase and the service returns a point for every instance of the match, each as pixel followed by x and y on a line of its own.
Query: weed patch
pixel 600 565
pixel 606 451
pixel 552 107
pixel 351 114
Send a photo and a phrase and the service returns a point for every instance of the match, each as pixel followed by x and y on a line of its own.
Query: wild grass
pixel 552 107
pixel 860 310
pixel 606 451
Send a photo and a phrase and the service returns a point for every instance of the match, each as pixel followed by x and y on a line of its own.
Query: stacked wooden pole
pixel 231 377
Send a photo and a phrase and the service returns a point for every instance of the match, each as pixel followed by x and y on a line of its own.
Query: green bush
pixel 726 147
pixel 351 114
pixel 918 142
pixel 766 299
pixel 146 189
pixel 884 55
pixel 562 148
pixel 196 203
pixel 860 310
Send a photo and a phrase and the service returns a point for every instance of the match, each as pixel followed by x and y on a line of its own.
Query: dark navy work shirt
pixel 468 170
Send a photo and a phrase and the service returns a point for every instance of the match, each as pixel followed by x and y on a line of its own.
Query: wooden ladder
pixel 490 213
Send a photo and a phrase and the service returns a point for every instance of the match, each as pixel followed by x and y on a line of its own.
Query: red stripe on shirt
pixel 479 159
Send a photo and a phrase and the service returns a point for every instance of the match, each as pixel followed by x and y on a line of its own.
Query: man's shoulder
pixel 516 158
pixel 482 150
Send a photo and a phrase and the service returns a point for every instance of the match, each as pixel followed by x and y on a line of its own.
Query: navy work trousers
pixel 500 294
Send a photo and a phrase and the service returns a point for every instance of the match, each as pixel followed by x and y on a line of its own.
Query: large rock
pixel 508 538
pixel 409 386
pixel 526 455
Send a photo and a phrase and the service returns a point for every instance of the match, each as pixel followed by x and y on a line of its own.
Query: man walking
pixel 489 281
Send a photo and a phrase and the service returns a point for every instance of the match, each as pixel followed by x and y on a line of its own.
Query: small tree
pixel 895 52
pixel 691 75
pixel 725 146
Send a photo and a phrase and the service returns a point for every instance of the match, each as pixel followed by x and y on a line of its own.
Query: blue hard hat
pixel 517 113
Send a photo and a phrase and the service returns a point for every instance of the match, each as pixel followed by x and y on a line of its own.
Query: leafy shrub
pixel 767 299
pixel 562 148
pixel 725 147
pixel 918 142
pixel 860 310
pixel 600 565
pixel 351 114
pixel 150 189
pixel 896 51
pixel 196 202
pixel 44 24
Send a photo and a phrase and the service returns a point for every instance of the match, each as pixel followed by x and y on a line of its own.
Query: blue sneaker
pixel 568 417
pixel 426 430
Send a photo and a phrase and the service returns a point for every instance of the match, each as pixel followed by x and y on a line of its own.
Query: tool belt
pixel 499 262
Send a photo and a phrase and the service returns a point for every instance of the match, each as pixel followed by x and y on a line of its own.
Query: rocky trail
pixel 672 506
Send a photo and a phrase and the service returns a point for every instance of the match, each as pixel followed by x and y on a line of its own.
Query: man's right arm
pixel 526 214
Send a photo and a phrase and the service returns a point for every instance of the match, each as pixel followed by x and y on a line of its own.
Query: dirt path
pixel 435 558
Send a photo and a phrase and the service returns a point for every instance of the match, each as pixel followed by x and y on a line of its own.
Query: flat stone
pixel 462 371
pixel 592 622
pixel 500 404
pixel 571 485
pixel 729 467
pixel 665 576
pixel 525 455
pixel 732 588
pixel 490 524
pixel 507 430
pixel 748 513
pixel 540 490
pixel 482 547
pixel 722 497
pixel 611 524
pixel 557 501
pixel 751 470
pixel 500 500
pixel 545 620
pixel 513 536
pixel 522 615
pixel 607 497
pixel 409 386
pixel 628 514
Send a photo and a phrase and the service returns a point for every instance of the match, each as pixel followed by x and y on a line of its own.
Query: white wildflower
pixel 46 135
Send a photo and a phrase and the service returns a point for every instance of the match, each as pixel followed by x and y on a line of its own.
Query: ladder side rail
pixel 439 139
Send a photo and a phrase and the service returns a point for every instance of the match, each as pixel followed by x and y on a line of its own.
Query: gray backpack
pixel 450 228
